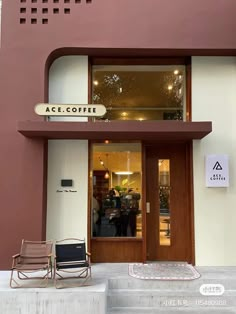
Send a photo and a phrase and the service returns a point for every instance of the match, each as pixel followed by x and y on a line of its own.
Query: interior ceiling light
pixel 123 172
pixel 176 72
pixel 170 87
pixel 124 114
pixel 95 83
pixel 107 175
pixel 101 161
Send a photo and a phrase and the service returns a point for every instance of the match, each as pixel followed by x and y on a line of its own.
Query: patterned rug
pixel 163 271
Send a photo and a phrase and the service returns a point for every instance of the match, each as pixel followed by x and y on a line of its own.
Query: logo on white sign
pixel 217 171
pixel 217 166
pixel 217 176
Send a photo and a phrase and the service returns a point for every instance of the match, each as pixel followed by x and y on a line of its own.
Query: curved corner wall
pixel 68 159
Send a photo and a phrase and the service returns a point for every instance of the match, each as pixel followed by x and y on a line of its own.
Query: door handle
pixel 148 209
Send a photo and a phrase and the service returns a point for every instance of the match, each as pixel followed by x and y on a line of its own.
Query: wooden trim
pixel 90 101
pixel 138 61
pixel 116 239
pixel 89 199
pixel 89 215
pixel 89 81
pixel 144 200
pixel 191 200
pixel 116 250
pixel 189 182
pixel 189 91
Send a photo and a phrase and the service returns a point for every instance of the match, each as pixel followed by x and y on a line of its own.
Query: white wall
pixel 68 83
pixel 68 159
pixel 214 99
pixel 67 211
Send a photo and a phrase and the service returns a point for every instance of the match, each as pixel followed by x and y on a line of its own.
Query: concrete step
pixel 209 275
pixel 132 283
pixel 158 299
pixel 185 310
pixel 128 295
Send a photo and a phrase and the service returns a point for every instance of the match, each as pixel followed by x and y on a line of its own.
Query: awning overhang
pixel 116 130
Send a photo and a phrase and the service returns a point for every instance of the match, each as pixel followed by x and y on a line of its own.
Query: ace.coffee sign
pixel 217 170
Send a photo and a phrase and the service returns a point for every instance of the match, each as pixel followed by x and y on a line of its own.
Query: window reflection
pixel 116 199
pixel 140 92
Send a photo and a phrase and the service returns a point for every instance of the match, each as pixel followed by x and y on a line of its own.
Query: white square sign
pixel 217 170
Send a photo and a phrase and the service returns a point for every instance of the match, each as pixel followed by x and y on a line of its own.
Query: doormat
pixel 163 271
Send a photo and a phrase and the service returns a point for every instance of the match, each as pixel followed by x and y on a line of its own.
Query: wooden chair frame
pixel 34 262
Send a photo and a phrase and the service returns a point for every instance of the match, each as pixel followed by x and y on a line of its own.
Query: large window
pixel 116 190
pixel 140 92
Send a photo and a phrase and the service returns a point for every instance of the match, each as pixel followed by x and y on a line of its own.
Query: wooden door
pixel 169 234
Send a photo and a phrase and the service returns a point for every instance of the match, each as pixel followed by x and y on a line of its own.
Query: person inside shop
pixel 133 211
pixel 96 216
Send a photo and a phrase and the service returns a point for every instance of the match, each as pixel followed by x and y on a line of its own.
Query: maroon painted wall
pixel 31 31
pixel 162 24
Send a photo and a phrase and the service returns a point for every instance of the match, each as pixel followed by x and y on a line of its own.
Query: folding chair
pixel 32 263
pixel 71 261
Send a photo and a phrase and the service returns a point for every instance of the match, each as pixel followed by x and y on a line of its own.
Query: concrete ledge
pixel 49 301
pixel 87 300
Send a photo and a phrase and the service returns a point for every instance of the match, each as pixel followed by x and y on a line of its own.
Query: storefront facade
pixel 144 161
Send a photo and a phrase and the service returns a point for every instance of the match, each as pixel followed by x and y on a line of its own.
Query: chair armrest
pixel 88 254
pixel 16 255
pixel 15 260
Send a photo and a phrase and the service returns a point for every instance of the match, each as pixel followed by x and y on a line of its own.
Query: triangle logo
pixel 217 166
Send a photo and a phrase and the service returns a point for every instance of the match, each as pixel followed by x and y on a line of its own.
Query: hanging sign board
pixel 70 110
pixel 217 170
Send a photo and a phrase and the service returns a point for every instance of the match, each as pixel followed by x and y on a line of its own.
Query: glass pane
pixel 140 92
pixel 116 195
pixel 164 201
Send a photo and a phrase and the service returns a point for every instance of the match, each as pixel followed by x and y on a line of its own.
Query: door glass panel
pixel 164 201
pixel 116 190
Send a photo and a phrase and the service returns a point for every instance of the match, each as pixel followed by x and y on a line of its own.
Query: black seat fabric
pixel 71 255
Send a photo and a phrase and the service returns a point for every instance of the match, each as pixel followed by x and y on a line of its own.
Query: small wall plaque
pixel 66 182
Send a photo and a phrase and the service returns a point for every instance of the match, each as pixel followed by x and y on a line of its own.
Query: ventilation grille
pixel 39 11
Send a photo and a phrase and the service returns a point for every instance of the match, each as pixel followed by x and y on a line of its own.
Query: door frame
pixel 140 244
pixel 189 180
